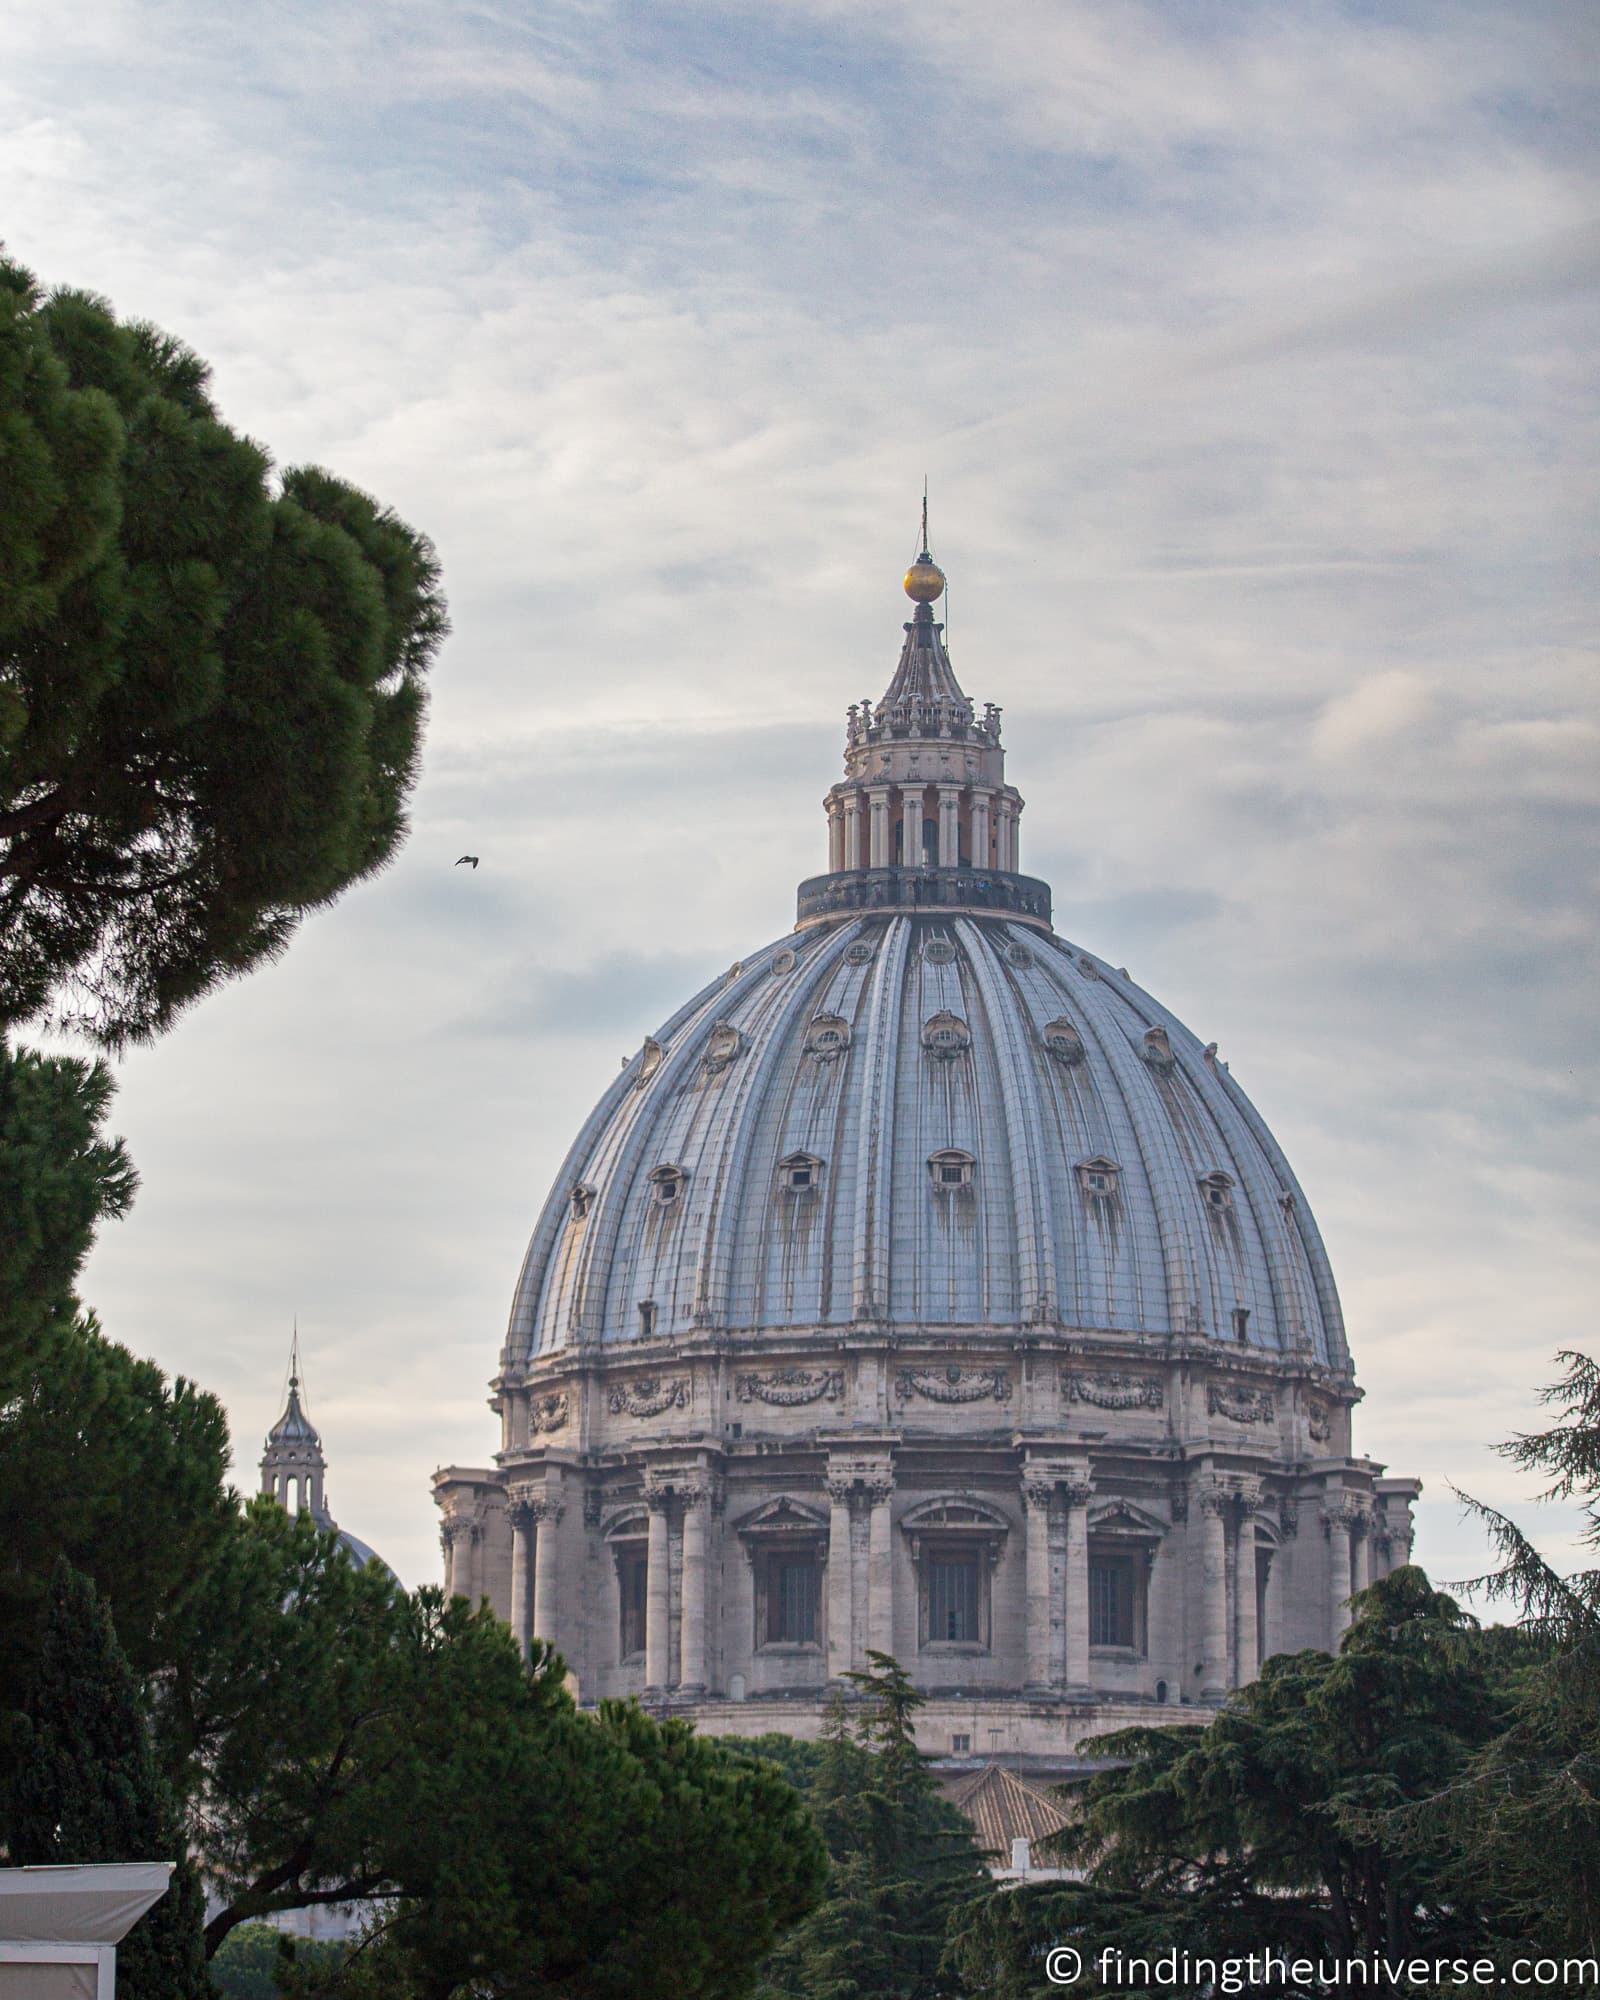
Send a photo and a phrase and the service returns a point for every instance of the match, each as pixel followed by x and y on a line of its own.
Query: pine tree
pixel 1528 1814
pixel 87 1788
pixel 904 1861
pixel 211 679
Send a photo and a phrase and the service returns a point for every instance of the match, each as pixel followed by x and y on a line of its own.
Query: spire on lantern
pixel 924 581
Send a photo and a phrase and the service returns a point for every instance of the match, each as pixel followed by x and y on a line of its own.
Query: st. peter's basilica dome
pixel 923 1285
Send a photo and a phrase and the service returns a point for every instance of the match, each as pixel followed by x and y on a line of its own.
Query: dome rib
pixel 869 1288
pixel 1071 1119
pixel 1125 1110
pixel 744 1123
pixel 1030 1175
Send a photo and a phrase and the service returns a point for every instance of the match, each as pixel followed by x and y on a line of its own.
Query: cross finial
pixel 294 1355
pixel 924 517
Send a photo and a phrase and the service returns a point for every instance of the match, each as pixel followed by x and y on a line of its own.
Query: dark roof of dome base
pixel 1048 1067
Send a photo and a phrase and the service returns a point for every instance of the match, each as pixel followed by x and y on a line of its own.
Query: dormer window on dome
pixel 581 1200
pixel 667 1185
pixel 951 1170
pixel 1099 1177
pixel 946 1036
pixel 827 1037
pixel 1064 1042
pixel 800 1173
pixel 722 1048
pixel 1157 1050
pixel 1217 1190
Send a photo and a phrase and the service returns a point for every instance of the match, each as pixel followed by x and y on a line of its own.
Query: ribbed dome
pixel 772 1159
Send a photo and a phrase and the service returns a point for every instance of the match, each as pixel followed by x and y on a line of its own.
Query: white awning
pixel 96 1903
pixel 59 1927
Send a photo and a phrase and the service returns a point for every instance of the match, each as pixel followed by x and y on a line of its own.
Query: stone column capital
pixel 868 1481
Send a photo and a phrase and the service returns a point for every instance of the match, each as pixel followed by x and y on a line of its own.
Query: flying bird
pixel 468 860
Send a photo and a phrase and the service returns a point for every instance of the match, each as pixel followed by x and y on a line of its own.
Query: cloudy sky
pixel 1248 352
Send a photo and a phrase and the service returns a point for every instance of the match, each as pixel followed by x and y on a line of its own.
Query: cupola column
pixel 1005 857
pixel 878 805
pixel 980 830
pixel 1076 1495
pixel 911 828
pixel 658 1595
pixel 692 1649
pixel 835 836
pixel 852 831
pixel 949 826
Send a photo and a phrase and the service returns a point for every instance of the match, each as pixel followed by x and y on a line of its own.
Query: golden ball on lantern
pixel 924 581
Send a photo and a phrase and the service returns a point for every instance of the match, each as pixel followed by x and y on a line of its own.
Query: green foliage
pixel 257 1962
pixel 1268 1828
pixel 105 1462
pixel 86 1788
pixel 349 1733
pixel 1526 1814
pixel 903 1859
pixel 102 1461
pixel 618 1856
pixel 59 1176
pixel 362 1744
pixel 211 693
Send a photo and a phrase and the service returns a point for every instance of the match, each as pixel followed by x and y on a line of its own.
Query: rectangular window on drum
pixel 1111 1602
pixel 632 1578
pixel 792 1598
pixel 953 1599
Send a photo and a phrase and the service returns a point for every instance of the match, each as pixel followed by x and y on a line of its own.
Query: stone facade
pixel 1150 1547
pixel 924 1287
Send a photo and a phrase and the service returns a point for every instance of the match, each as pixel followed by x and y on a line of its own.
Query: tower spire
pixel 292 1464
pixel 924 555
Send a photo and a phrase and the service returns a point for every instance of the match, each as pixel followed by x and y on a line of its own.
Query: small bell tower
pixel 292 1465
